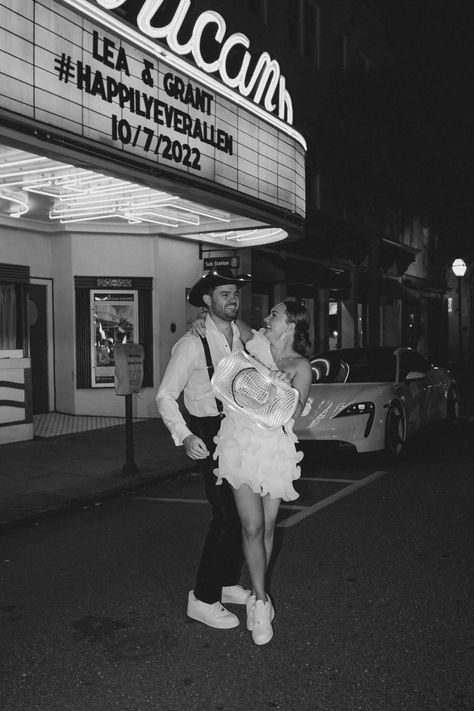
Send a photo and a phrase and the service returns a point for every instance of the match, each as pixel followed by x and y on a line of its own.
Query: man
pixel 188 371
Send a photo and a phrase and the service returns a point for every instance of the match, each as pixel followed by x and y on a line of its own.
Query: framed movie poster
pixel 114 319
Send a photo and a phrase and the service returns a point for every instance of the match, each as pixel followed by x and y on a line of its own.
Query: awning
pixel 299 270
pixel 388 288
pixel 430 286
pixel 331 238
pixel 401 255
pixel 393 289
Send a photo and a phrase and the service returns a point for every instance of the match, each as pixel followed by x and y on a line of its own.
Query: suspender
pixel 210 368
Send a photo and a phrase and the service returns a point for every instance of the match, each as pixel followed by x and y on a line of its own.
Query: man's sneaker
pixel 262 627
pixel 250 604
pixel 235 594
pixel 213 615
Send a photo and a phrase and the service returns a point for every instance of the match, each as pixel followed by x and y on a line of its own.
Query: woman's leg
pixel 250 508
pixel 270 512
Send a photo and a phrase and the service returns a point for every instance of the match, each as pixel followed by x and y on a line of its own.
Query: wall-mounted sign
pixel 110 85
pixel 114 320
pixel 212 262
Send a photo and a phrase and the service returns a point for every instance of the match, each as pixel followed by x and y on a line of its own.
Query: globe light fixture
pixel 459 269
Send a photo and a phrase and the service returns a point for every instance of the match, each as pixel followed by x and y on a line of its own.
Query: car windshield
pixel 365 365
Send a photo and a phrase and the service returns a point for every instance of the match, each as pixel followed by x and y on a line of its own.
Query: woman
pixel 260 464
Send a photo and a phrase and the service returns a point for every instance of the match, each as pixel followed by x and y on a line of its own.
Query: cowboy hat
pixel 217 277
pixel 245 385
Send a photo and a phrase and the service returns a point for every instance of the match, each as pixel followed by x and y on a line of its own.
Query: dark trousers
pixel 222 556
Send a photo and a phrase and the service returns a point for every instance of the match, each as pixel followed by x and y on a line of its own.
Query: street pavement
pixel 44 476
pixel 372 592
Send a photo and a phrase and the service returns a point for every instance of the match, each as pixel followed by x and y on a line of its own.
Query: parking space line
pixel 171 501
pixel 303 511
pixel 320 478
pixel 296 518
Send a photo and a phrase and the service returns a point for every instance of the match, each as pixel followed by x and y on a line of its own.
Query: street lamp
pixel 459 269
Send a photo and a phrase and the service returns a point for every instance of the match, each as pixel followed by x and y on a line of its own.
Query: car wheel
pixel 395 434
pixel 452 406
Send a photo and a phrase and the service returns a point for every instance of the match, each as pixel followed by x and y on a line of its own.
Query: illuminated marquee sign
pixel 265 79
pixel 109 84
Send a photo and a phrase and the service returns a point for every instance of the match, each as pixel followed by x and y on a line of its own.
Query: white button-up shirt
pixel 187 372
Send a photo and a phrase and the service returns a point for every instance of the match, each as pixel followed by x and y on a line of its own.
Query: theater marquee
pixel 101 80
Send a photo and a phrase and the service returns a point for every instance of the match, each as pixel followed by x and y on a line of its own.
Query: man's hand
pixel 195 447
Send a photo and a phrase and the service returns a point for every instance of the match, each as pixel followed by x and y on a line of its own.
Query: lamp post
pixel 459 269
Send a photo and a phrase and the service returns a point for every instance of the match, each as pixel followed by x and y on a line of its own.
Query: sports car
pixel 376 398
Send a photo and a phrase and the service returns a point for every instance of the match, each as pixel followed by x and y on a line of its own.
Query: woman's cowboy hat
pixel 244 384
pixel 218 277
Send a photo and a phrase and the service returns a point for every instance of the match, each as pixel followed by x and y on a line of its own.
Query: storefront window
pixel 14 284
pixel 109 311
pixel 260 309
pixel 334 325
pixel 8 317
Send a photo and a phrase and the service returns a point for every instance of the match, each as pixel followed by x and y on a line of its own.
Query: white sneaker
pixel 235 594
pixel 262 627
pixel 213 615
pixel 250 608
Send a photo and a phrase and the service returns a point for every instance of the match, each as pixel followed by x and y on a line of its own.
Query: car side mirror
pixel 414 375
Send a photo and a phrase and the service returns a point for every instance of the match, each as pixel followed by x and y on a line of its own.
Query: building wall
pixel 114 255
pixel 27 246
pixel 64 324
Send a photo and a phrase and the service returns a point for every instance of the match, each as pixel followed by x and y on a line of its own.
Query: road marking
pixel 171 501
pixel 303 511
pixel 330 500
pixel 203 501
pixel 314 478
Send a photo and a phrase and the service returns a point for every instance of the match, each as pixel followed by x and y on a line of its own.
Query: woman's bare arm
pixel 302 382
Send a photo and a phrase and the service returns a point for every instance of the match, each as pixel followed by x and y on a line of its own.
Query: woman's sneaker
pixel 262 627
pixel 250 604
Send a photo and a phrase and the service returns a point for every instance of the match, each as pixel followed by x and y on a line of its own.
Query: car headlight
pixel 360 408
pixel 357 408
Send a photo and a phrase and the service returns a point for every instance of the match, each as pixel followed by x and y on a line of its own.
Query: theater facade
pixel 133 156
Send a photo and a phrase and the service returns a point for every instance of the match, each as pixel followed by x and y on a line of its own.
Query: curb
pixel 138 481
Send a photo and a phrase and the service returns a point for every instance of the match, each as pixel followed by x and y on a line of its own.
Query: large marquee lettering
pixel 265 81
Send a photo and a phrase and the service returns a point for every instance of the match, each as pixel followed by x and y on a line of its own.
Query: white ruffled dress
pixel 265 460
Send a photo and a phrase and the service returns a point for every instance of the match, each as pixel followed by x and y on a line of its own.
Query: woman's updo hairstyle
pixel 297 313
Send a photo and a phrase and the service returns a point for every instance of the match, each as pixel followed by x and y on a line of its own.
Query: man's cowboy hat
pixel 217 277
